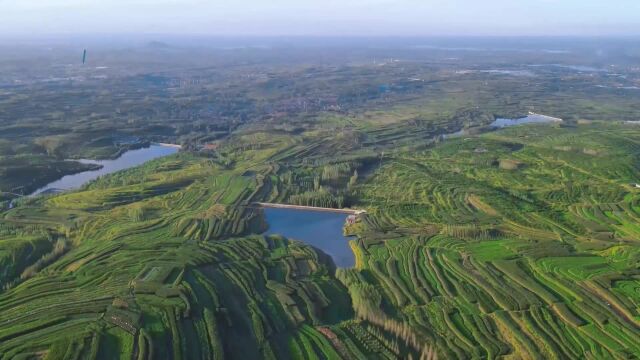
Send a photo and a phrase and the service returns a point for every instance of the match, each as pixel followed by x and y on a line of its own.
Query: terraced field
pixel 523 262
pixel 517 243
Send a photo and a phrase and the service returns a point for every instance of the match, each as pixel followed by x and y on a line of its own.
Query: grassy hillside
pixel 518 243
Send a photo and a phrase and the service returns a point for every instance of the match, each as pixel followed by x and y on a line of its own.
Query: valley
pixel 481 229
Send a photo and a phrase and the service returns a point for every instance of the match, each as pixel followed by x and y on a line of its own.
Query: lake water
pixel 502 123
pixel 320 229
pixel 127 160
pixel 530 119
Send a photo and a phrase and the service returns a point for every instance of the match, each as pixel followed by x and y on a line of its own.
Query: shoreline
pixel 310 208
pixel 552 118
pixel 169 145
pixel 98 165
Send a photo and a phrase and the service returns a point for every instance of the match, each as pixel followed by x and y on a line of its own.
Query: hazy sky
pixel 322 17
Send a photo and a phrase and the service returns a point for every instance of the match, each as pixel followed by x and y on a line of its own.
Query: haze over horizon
pixel 322 18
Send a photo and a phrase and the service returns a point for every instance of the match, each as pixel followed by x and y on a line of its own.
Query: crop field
pixel 517 243
pixel 525 262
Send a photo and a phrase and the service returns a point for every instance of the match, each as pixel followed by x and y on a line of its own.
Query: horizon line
pixel 319 36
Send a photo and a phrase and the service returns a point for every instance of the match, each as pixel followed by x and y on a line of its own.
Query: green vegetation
pixel 52 108
pixel 457 256
pixel 513 243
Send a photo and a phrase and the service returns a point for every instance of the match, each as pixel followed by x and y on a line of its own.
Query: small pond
pixel 127 160
pixel 502 123
pixel 529 119
pixel 319 229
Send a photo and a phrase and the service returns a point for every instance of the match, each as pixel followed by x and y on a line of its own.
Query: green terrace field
pixel 520 243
